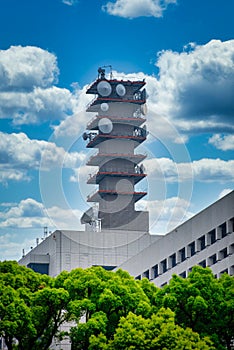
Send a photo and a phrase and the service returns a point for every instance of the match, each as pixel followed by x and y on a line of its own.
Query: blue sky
pixel 50 51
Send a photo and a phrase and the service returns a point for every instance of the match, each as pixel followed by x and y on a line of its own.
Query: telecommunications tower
pixel 116 131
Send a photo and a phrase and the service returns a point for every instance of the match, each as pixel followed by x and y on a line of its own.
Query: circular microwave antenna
pixel 85 136
pixel 104 88
pixel 104 107
pixel 105 125
pixel 120 89
pixel 144 109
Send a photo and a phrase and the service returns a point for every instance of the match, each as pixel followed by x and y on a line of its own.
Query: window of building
pixel 211 237
pixel 232 270
pixel 201 243
pixel 223 229
pixel 224 271
pixel 212 259
pixel 106 267
pixel 172 260
pixel 202 263
pixel 163 265
pixel 190 269
pixel 39 267
pixel 223 253
pixel 231 249
pixel 138 277
pixel 182 255
pixel 154 271
pixel 183 274
pixel 191 249
pixel 146 274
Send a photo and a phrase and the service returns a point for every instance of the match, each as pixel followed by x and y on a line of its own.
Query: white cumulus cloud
pixel 31 213
pixel 223 142
pixel 27 87
pixel 203 170
pixel 19 154
pixel 25 67
pixel 137 8
pixel 195 88
pixel 166 214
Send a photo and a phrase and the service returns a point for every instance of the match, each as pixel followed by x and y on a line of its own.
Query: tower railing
pixel 106 191
pixel 134 117
pixel 115 173
pixel 136 98
pixel 119 155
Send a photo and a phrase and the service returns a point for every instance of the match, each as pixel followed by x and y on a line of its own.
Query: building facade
pixel 207 239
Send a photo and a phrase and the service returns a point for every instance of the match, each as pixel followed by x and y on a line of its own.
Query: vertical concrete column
pixel 197 245
pixel 218 232
pixel 230 226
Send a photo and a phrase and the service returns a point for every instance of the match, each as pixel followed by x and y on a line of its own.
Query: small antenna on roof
pixel 102 71
pixel 45 231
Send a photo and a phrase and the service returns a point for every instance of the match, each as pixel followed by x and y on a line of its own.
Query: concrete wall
pixel 71 249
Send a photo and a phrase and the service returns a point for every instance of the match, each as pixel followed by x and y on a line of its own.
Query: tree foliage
pixel 157 332
pixel 111 310
pixel 30 307
pixel 99 298
pixel 203 303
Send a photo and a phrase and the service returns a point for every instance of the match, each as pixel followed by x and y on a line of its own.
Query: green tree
pixel 99 298
pixel 31 309
pixel 157 332
pixel 203 303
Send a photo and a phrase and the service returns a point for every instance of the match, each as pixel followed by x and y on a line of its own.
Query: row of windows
pixel 184 274
pixel 192 248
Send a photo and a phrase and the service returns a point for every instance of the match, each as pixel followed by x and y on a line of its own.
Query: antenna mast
pixel 101 72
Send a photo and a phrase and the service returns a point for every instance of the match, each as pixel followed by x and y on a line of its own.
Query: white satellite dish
pixel 105 125
pixel 120 89
pixel 104 88
pixel 104 107
pixel 144 109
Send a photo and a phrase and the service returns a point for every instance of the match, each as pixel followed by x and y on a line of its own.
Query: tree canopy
pixel 111 310
pixel 203 303
pixel 31 308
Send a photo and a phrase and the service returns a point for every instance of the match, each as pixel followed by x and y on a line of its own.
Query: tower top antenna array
pixel 102 72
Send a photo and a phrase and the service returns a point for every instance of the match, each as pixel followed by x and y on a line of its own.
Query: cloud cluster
pixel 19 154
pixel 31 213
pixel 10 248
pixel 137 8
pixel 223 142
pixel 27 86
pixel 165 214
pixel 203 170
pixel 70 2
pixel 22 68
pixel 75 124
pixel 195 88
pixel 193 92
